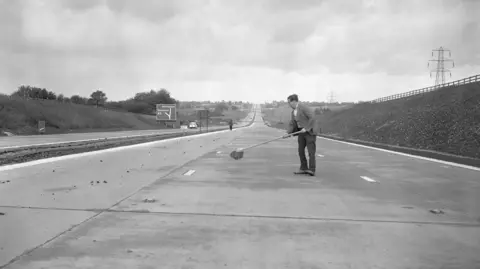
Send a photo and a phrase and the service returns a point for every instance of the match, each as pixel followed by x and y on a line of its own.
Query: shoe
pixel 311 173
pixel 300 172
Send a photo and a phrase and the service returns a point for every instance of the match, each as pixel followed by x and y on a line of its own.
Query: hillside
pixel 446 120
pixel 20 116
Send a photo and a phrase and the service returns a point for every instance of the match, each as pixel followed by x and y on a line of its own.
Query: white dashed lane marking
pixel 189 173
pixel 368 179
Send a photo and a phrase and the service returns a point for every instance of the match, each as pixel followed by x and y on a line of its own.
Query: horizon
pixel 254 51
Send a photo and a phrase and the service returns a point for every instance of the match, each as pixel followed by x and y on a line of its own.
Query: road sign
pixel 166 112
pixel 203 114
pixel 41 126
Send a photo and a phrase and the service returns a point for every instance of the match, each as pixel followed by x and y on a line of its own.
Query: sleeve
pixel 310 116
pixel 291 125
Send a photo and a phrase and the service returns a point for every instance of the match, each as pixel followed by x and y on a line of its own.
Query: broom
pixel 238 153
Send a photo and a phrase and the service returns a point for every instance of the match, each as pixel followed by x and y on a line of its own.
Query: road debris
pixel 93 182
pixel 25 154
pixel 149 200
pixel 437 211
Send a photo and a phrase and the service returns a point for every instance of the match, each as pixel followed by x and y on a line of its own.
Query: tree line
pixel 145 102
pixel 142 102
pixel 30 92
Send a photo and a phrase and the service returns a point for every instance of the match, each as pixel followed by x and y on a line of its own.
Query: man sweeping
pixel 302 119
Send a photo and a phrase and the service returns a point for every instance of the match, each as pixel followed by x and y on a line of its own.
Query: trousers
pixel 306 140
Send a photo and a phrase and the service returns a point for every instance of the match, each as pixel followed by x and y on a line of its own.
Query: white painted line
pixel 407 155
pixel 189 173
pixel 368 179
pixel 92 153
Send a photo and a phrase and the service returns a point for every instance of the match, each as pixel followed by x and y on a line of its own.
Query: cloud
pixel 154 11
pixel 80 6
pixel 207 49
pixel 286 5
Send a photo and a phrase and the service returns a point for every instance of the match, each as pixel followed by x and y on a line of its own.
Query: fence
pixel 456 83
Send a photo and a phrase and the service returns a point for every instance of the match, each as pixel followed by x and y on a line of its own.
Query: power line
pixel 440 70
pixel 331 98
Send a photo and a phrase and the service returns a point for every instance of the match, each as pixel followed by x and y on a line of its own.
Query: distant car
pixel 192 125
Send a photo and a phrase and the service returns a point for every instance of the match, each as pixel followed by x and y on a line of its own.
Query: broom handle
pixel 259 144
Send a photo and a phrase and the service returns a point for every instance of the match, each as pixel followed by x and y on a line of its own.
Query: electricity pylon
pixel 440 70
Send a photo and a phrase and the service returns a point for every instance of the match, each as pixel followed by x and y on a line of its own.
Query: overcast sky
pixel 253 50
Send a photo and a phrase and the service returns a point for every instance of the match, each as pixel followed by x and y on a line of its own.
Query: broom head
pixel 237 154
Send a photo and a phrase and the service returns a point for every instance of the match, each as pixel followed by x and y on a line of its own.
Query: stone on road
pixel 248 213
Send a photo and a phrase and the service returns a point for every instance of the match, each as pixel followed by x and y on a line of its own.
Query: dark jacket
pixel 305 118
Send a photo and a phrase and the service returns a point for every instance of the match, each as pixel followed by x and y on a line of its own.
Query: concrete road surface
pixel 20 141
pixel 364 209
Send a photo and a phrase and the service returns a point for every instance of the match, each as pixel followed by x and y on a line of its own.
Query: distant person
pixel 230 124
pixel 302 119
